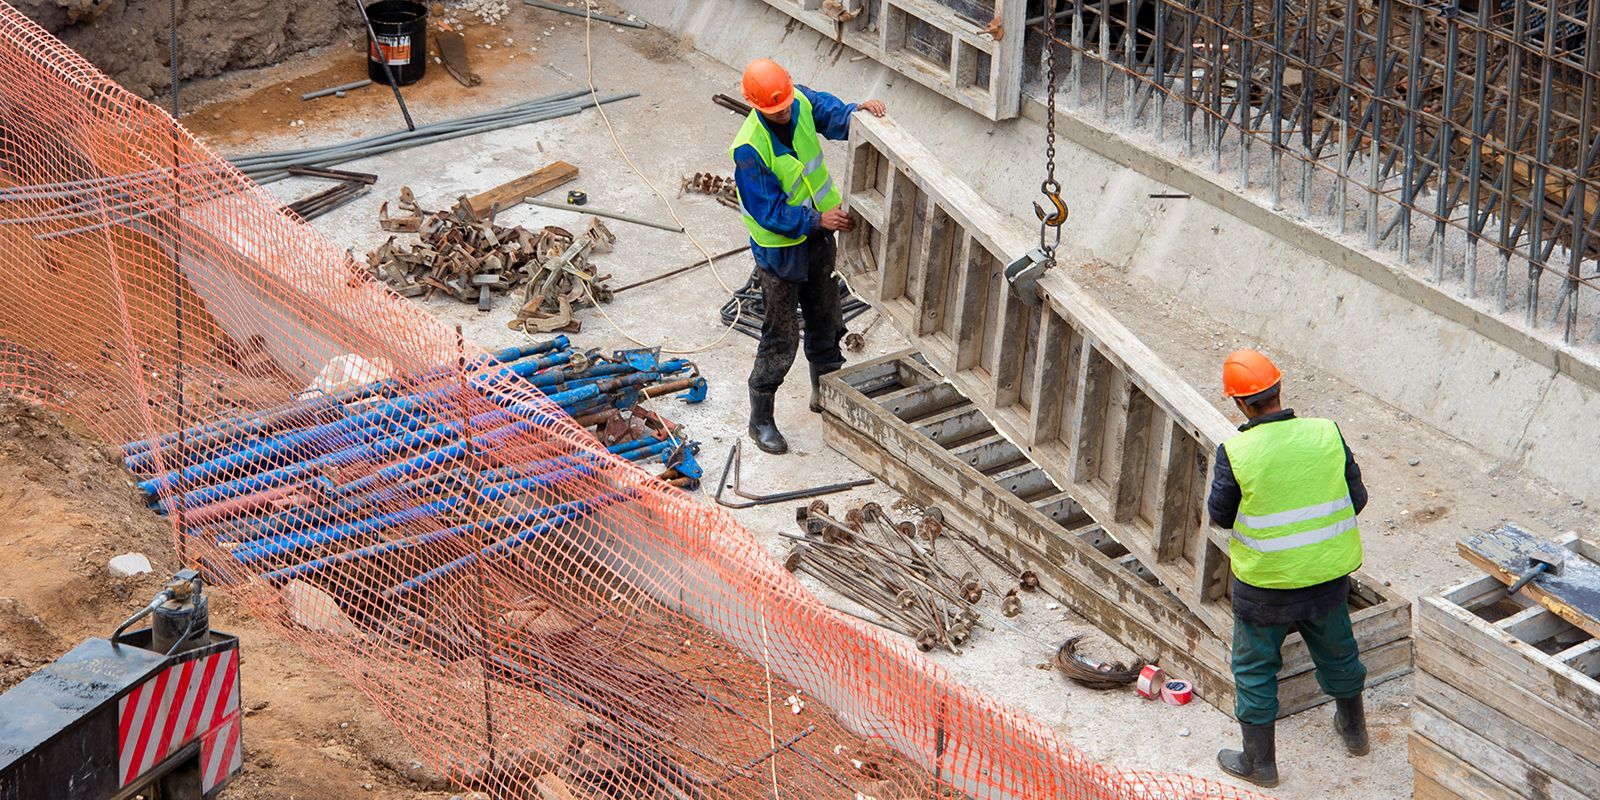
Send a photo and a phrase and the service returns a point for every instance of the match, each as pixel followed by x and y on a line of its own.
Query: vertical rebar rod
pixel 1163 9
pixel 1346 87
pixel 1508 160
pixel 1308 117
pixel 1191 9
pixel 1214 72
pixel 1242 101
pixel 1541 172
pixel 1130 47
pixel 1414 79
pixel 1077 53
pixel 1579 187
pixel 1103 19
pixel 1380 89
pixel 1279 23
pixel 1441 230
pixel 1480 72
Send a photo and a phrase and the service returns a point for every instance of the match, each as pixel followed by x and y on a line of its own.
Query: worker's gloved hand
pixel 837 220
pixel 874 107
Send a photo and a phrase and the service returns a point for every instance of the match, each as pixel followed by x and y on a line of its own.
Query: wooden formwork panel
pixel 1508 705
pixel 902 422
pixel 1088 402
pixel 934 45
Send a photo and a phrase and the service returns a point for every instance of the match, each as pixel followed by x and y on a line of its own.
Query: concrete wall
pixel 128 39
pixel 1516 395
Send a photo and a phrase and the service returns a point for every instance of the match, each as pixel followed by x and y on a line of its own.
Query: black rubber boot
pixel 1258 762
pixel 1350 720
pixel 763 430
pixel 816 384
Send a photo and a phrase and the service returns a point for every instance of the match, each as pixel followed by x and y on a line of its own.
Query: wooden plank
pixel 1583 657
pixel 1509 675
pixel 1049 379
pixel 1573 595
pixel 1534 625
pixel 1459 778
pixel 1507 772
pixel 511 192
pixel 1539 753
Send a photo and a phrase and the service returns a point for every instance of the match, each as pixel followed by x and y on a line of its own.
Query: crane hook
pixel 1058 215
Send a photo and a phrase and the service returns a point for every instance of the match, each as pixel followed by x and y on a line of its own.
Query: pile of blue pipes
pixel 396 465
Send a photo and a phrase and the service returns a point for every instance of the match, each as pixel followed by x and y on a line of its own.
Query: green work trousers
pixel 1257 657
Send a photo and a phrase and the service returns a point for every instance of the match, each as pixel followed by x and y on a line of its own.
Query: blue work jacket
pixel 763 195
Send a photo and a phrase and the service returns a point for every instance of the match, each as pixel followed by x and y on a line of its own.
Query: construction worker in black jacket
pixel 1289 490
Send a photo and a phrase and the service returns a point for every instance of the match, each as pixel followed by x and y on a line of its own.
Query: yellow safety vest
pixel 803 174
pixel 1296 525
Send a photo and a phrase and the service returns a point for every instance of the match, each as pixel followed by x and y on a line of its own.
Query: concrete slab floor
pixel 673 130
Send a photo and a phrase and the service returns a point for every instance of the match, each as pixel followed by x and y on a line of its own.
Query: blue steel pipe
pixel 293 519
pixel 279 545
pixel 196 435
pixel 285 443
pixel 510 542
pixel 297 445
pixel 385 548
pixel 381 450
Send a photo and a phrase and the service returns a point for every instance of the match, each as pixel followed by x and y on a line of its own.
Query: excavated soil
pixel 69 508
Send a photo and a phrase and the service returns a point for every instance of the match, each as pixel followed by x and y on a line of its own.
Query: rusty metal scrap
pixel 1094 674
pixel 719 186
pixel 473 260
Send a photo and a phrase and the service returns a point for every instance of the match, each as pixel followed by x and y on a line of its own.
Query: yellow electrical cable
pixel 588 54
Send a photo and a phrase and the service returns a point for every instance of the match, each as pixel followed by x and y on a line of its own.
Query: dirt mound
pixel 69 507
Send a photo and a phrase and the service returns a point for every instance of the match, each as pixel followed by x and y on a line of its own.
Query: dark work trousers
pixel 818 299
pixel 1258 656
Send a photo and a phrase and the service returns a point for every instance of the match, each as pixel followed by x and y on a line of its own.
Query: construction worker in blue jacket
pixel 1289 489
pixel 791 208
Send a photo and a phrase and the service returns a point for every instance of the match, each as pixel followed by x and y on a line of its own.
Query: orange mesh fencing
pixel 521 602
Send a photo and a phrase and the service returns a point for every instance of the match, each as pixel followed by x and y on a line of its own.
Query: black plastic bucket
pixel 402 30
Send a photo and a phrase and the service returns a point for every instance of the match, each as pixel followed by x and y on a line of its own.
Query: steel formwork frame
pixel 1468 131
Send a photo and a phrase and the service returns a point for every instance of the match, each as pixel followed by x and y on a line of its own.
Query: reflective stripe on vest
pixel 806 183
pixel 1296 525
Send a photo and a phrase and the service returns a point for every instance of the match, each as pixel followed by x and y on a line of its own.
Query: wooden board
pixel 1449 776
pixel 1108 421
pixel 1542 759
pixel 1573 595
pixel 1479 661
pixel 900 421
pixel 510 193
pixel 928 42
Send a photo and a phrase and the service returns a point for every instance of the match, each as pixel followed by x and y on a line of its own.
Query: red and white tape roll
pixel 1177 693
pixel 1150 680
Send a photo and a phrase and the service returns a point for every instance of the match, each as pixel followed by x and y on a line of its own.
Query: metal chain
pixel 1051 188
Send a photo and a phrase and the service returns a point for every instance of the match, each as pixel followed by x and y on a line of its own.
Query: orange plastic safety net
pixel 528 607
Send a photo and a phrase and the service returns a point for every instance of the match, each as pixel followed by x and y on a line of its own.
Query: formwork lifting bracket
pixel 1024 273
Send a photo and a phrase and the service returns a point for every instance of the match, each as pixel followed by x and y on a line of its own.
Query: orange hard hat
pixel 767 86
pixel 1247 373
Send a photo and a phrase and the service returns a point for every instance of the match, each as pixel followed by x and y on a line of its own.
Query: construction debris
pixel 630 22
pixel 718 186
pixel 473 260
pixel 350 186
pixel 337 90
pixel 453 52
pixel 899 577
pixel 1093 674
pixel 268 167
pixel 488 204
